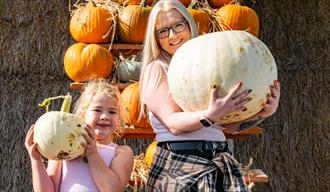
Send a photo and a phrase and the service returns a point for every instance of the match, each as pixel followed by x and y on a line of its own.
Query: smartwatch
pixel 205 121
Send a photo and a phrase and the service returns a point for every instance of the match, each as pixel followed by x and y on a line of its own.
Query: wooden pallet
pixel 147 133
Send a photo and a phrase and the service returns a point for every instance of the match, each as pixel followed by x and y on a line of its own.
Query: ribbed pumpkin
pixel 133 22
pixel 150 152
pixel 59 133
pixel 222 59
pixel 91 24
pixel 237 17
pixel 128 69
pixel 83 62
pixel 202 19
pixel 219 3
pixel 131 103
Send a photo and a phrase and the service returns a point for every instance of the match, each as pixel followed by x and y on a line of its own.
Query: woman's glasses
pixel 165 32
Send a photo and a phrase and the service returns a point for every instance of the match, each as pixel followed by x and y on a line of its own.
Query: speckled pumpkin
pixel 222 59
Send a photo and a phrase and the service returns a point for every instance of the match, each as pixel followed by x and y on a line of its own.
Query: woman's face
pixel 172 30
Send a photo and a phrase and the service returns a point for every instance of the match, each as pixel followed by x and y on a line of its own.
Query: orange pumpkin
pixel 91 24
pixel 133 2
pixel 186 3
pixel 150 152
pixel 83 62
pixel 202 19
pixel 237 17
pixel 133 22
pixel 219 3
pixel 131 103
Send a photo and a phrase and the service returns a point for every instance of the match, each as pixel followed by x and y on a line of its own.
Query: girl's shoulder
pixel 124 150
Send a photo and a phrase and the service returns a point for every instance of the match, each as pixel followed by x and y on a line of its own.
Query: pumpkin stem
pixel 143 3
pixel 91 2
pixel 65 106
pixel 193 4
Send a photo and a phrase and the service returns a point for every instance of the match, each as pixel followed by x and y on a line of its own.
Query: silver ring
pixel 236 101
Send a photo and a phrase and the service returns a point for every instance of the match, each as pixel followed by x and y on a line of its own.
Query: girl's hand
pixel 90 145
pixel 273 99
pixel 221 106
pixel 31 146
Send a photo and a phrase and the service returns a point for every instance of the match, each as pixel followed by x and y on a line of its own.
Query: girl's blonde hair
pixel 98 86
pixel 151 49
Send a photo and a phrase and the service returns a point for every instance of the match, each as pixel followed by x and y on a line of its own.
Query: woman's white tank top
pixel 213 133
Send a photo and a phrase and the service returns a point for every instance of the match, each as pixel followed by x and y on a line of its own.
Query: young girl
pixel 106 166
pixel 192 152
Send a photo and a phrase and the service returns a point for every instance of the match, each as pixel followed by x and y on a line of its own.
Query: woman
pixel 188 142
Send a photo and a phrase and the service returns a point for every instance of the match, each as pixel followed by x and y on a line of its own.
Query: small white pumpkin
pixel 222 59
pixel 58 135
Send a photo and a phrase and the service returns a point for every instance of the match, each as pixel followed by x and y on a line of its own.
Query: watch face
pixel 205 123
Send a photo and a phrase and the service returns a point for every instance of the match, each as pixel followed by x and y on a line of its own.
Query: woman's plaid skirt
pixel 174 172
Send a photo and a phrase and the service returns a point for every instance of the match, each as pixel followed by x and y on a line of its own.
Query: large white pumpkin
pixel 222 59
pixel 59 135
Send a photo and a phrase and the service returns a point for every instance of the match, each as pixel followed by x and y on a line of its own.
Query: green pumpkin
pixel 128 69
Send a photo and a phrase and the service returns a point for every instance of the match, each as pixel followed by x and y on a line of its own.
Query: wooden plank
pixel 138 133
pixel 256 176
pixel 123 46
pixel 78 86
pixel 129 133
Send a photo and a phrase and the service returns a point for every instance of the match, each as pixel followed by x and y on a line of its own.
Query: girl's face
pixel 172 30
pixel 102 115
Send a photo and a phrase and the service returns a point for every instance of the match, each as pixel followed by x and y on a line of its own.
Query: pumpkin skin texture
pixel 131 103
pixel 222 59
pixel 128 70
pixel 237 17
pixel 132 24
pixel 91 24
pixel 202 19
pixel 59 135
pixel 83 62
pixel 219 3
pixel 150 152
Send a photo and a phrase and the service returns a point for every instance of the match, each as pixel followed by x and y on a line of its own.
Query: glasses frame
pixel 171 27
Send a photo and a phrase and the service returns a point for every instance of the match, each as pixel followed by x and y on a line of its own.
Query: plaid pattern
pixel 179 172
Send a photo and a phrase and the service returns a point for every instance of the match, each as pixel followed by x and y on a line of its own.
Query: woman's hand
pixel 90 145
pixel 232 128
pixel 221 106
pixel 31 146
pixel 272 100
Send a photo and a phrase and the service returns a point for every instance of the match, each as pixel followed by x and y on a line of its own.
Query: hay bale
pixel 293 151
